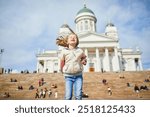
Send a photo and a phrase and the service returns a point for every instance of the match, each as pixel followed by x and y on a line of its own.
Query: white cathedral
pixel 102 50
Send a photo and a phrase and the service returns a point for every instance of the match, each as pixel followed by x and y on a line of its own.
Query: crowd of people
pixel 13 80
pixel 43 90
pixel 109 90
pixel 6 95
pixel 41 82
pixel 43 93
pixel 136 88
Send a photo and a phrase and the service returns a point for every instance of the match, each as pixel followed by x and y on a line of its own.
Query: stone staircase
pixel 92 85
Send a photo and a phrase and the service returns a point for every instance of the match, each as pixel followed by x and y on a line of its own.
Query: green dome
pixel 110 24
pixel 65 26
pixel 85 9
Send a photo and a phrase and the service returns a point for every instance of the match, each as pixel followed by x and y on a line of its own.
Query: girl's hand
pixel 83 59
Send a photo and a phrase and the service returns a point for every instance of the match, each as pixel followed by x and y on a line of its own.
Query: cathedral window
pixel 56 64
pixel 81 27
pixel 86 25
pixel 91 25
pixel 91 65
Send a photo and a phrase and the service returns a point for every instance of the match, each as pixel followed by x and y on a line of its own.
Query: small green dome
pixel 65 26
pixel 110 24
pixel 85 9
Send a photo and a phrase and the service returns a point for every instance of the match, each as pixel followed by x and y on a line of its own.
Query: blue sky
pixel 29 25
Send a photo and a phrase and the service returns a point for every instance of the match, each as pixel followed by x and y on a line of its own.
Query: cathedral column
pixel 45 66
pixel 133 66
pixel 116 66
pixel 140 64
pixel 98 60
pixel 37 67
pixel 40 66
pixel 89 27
pixel 83 26
pixel 106 60
pixel 86 52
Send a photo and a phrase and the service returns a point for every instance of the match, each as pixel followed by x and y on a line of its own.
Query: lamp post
pixel 1 52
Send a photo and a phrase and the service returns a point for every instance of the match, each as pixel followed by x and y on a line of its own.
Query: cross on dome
pixel 84 3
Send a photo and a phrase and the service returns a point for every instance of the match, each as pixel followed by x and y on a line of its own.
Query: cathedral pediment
pixel 94 37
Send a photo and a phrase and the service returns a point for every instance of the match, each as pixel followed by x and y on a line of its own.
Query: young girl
pixel 72 60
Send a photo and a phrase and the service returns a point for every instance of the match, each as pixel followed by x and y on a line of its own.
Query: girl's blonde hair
pixel 62 41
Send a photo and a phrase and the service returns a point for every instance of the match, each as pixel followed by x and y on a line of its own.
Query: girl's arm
pixel 62 63
pixel 83 59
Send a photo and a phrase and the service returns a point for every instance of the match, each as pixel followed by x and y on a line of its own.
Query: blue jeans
pixel 73 82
